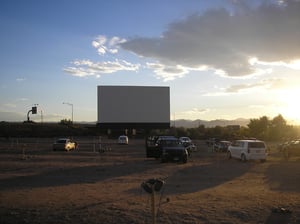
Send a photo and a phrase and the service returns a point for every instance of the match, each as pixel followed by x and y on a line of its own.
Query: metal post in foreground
pixel 153 207
pixel 151 186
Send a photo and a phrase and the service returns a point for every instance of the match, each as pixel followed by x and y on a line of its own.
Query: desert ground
pixel 39 185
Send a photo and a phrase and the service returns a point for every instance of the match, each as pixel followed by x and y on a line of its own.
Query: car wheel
pixel 243 158
pixel 228 155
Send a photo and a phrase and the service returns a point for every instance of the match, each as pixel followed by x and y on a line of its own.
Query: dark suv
pixel 167 148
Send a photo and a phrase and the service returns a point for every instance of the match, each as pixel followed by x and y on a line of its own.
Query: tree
pixel 278 128
pixel 258 128
pixel 66 122
pixel 275 129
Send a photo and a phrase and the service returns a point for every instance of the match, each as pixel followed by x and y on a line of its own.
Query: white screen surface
pixel 133 104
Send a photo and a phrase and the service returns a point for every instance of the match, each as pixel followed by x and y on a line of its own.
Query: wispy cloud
pixel 14 103
pixel 20 79
pixel 10 105
pixel 168 73
pixel 105 45
pixel 22 99
pixel 293 64
pixel 248 87
pixel 194 113
pixel 266 84
pixel 83 68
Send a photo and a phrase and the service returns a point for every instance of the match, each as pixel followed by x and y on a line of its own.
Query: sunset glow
pixel 290 106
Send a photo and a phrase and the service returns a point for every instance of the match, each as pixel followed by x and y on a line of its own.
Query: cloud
pixel 83 68
pixel 13 104
pixel 194 113
pixel 246 41
pixel 22 99
pixel 104 45
pixel 225 41
pixel 168 73
pixel 10 105
pixel 293 64
pixel 20 79
pixel 11 116
pixel 267 84
pixel 249 87
pixel 243 87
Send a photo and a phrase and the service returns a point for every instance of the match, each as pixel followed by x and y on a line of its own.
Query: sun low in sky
pixel 222 59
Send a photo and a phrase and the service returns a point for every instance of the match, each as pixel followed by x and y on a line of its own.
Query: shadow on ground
pixel 282 175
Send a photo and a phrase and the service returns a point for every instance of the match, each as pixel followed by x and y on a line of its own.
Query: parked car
pixel 282 146
pixel 212 141
pixel 153 143
pixel 64 144
pixel 123 140
pixel 291 149
pixel 173 150
pixel 186 141
pixel 167 148
pixel 221 146
pixel 248 150
pixel 188 144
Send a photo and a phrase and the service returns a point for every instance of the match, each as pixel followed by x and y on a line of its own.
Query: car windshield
pixel 256 145
pixel 170 143
pixel 185 139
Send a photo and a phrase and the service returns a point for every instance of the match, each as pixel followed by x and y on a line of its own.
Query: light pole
pixel 33 111
pixel 70 104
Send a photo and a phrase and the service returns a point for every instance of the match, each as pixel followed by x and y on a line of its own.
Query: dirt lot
pixel 85 186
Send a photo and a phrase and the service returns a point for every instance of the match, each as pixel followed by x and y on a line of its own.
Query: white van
pixel 248 150
pixel 123 140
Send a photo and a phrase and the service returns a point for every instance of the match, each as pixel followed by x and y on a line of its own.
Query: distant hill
pixel 18 117
pixel 213 123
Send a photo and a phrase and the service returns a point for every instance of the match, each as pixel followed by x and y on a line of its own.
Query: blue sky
pixel 223 59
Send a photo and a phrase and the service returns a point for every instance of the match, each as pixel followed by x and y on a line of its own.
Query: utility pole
pixel 153 207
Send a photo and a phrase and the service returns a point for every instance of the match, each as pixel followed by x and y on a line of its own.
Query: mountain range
pixel 15 117
pixel 209 124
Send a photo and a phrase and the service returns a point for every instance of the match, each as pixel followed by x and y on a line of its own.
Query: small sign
pixel 34 110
